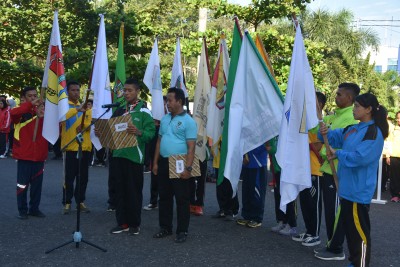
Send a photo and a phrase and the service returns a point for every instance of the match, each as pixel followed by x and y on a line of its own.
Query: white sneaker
pixel 300 237
pixel 3 157
pixel 278 227
pixel 289 231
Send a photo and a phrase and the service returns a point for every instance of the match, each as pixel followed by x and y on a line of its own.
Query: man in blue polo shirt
pixel 177 136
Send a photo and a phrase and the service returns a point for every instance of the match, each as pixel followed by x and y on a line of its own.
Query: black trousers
pixel 129 191
pixel 197 186
pixel 168 189
pixel 254 187
pixel 3 143
pixel 112 195
pixel 71 171
pixel 290 217
pixel 357 227
pixel 57 148
pixel 385 174
pixel 29 173
pixel 395 176
pixel 311 206
pixel 333 220
pixel 154 179
pixel 227 204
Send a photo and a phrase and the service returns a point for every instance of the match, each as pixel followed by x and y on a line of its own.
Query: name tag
pixel 180 166
pixel 121 127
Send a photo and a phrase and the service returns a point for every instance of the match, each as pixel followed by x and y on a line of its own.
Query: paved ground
pixel 211 242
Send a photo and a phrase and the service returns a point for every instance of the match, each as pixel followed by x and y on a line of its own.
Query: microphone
pixel 114 105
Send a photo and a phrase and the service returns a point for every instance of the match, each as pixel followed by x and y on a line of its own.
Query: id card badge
pixel 180 166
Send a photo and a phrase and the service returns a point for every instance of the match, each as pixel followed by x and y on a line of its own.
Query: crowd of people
pixel 356 132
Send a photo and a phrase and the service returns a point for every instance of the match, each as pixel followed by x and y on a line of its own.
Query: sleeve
pixel 364 155
pixel 191 130
pixel 16 113
pixel 148 128
pixel 335 138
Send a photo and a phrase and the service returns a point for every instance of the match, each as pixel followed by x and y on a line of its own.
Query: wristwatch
pixel 189 168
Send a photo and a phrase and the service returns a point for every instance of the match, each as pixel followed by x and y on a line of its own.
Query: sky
pixel 364 10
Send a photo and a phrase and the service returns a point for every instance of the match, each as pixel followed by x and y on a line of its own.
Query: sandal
pixel 162 233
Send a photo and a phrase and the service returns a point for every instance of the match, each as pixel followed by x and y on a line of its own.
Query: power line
pixel 380 25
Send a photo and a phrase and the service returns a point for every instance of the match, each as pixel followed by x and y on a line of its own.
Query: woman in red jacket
pixel 4 127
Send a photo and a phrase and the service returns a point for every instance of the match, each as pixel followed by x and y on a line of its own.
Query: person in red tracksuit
pixel 30 154
pixel 4 127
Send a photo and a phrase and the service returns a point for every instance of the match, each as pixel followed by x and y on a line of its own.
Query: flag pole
pixel 321 122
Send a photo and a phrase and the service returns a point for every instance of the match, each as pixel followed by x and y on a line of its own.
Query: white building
pixel 386 58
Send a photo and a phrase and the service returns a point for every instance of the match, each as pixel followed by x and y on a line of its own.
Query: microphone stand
pixel 77 235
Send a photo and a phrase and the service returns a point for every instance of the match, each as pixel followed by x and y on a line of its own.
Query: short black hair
pixel 134 82
pixel 179 94
pixel 321 98
pixel 4 103
pixel 90 100
pixel 27 89
pixel 4 96
pixel 72 83
pixel 353 88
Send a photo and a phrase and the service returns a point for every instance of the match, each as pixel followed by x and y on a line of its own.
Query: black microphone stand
pixel 77 235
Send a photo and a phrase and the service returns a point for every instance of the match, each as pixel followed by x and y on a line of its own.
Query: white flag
pixel 255 110
pixel 177 70
pixel 201 100
pixel 56 86
pixel 300 115
pixel 216 107
pixel 152 79
pixel 100 80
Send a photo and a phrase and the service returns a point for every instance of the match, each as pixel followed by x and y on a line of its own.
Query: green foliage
pixel 333 47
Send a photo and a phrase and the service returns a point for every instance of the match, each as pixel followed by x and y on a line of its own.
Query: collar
pixel 183 113
pixel 365 124
pixel 341 111
pixel 72 103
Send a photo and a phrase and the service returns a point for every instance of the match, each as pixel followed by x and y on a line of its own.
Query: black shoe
pixel 134 230
pixel 162 233
pixel 38 214
pixel 180 238
pixel 22 216
pixel 219 215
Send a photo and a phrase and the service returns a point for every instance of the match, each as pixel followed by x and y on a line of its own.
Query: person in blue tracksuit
pixel 361 147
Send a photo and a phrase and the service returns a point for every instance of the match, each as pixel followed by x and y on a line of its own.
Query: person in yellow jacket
pixel 393 159
pixel 69 129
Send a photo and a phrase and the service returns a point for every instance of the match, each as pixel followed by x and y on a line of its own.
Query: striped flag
pixel 56 86
pixel 216 107
pixel 255 110
pixel 120 75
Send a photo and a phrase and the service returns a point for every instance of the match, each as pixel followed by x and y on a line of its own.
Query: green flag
pixel 120 75
pixel 235 51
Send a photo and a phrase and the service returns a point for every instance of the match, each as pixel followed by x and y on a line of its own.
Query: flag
pixel 235 52
pixel 300 115
pixel 264 54
pixel 152 79
pixel 120 75
pixel 100 81
pixel 56 86
pixel 216 107
pixel 177 78
pixel 201 99
pixel 255 110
